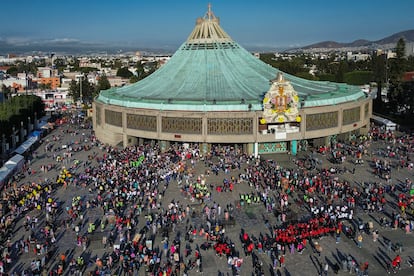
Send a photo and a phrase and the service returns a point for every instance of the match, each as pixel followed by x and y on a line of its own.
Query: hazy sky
pixel 163 23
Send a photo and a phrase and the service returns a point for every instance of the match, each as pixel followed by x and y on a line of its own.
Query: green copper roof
pixel 211 72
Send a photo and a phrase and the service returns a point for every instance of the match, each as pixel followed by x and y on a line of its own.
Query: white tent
pixel 11 166
pixel 42 125
pixel 388 124
pixel 26 145
pixel 16 162
pixel 4 175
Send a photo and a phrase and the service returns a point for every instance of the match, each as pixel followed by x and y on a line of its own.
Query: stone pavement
pixel 251 218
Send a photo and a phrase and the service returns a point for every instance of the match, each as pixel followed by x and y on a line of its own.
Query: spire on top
pixel 209 15
pixel 208 30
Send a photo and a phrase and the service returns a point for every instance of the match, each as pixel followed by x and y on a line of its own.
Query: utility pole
pixel 27 81
pixel 80 90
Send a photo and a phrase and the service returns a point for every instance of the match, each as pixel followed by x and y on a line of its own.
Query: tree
pixel 87 70
pixel 103 84
pixel 326 66
pixel 397 64
pixel 306 75
pixel 17 110
pixel 358 77
pixel 133 79
pixel 379 67
pixel 408 100
pixel 292 66
pixel 88 90
pixel 400 49
pixel 410 63
pixel 74 63
pixel 326 77
pixel 123 72
pixel 396 71
pixel 117 64
pixel 140 73
pixel 59 63
pixel 151 68
pixel 340 72
pixel 45 86
pixel 12 71
pixel 74 90
pixel 6 91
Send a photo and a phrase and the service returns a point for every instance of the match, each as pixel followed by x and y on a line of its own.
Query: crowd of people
pixel 127 188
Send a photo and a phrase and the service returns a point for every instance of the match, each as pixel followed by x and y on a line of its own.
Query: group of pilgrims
pixel 128 186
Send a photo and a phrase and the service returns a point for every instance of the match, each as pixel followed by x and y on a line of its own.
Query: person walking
pixel 325 269
pixel 359 240
pixel 375 235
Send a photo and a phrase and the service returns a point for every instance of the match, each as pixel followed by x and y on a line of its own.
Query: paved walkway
pixel 250 217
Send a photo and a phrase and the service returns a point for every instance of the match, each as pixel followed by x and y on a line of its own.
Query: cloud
pixel 17 41
pixel 64 40
pixel 61 45
pixel 24 41
pixel 56 41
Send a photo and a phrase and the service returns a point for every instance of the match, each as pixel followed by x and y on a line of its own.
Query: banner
pixel 138 162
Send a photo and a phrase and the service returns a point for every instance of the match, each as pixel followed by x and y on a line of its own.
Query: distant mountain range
pixel 389 41
pixel 71 47
pixel 74 47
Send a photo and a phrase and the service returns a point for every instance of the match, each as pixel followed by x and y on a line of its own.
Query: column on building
pixel 205 148
pixel 254 149
pixel 164 145
pixel 327 141
pixel 293 147
pixel 125 140
pixel 140 141
pixel 132 140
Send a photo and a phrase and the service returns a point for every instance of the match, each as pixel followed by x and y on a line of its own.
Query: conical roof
pixel 211 72
pixel 208 30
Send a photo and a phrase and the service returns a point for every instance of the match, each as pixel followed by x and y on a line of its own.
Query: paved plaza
pixel 253 218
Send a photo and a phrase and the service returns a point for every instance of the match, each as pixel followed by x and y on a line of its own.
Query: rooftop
pixel 211 72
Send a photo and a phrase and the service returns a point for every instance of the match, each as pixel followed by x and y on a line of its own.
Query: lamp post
pixel 13 137
pixel 80 89
pixel 22 134
pixel 3 144
pixel 29 126
pixel 27 81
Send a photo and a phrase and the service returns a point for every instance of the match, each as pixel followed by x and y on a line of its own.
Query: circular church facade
pixel 213 91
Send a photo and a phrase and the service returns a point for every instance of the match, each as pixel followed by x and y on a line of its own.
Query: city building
pixel 350 56
pixel 408 76
pixel 52 82
pixel 213 91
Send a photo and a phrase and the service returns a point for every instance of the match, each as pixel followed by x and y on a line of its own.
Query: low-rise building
pixel 53 82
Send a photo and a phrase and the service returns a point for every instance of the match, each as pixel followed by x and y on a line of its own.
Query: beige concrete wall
pixel 114 135
pixel 108 135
